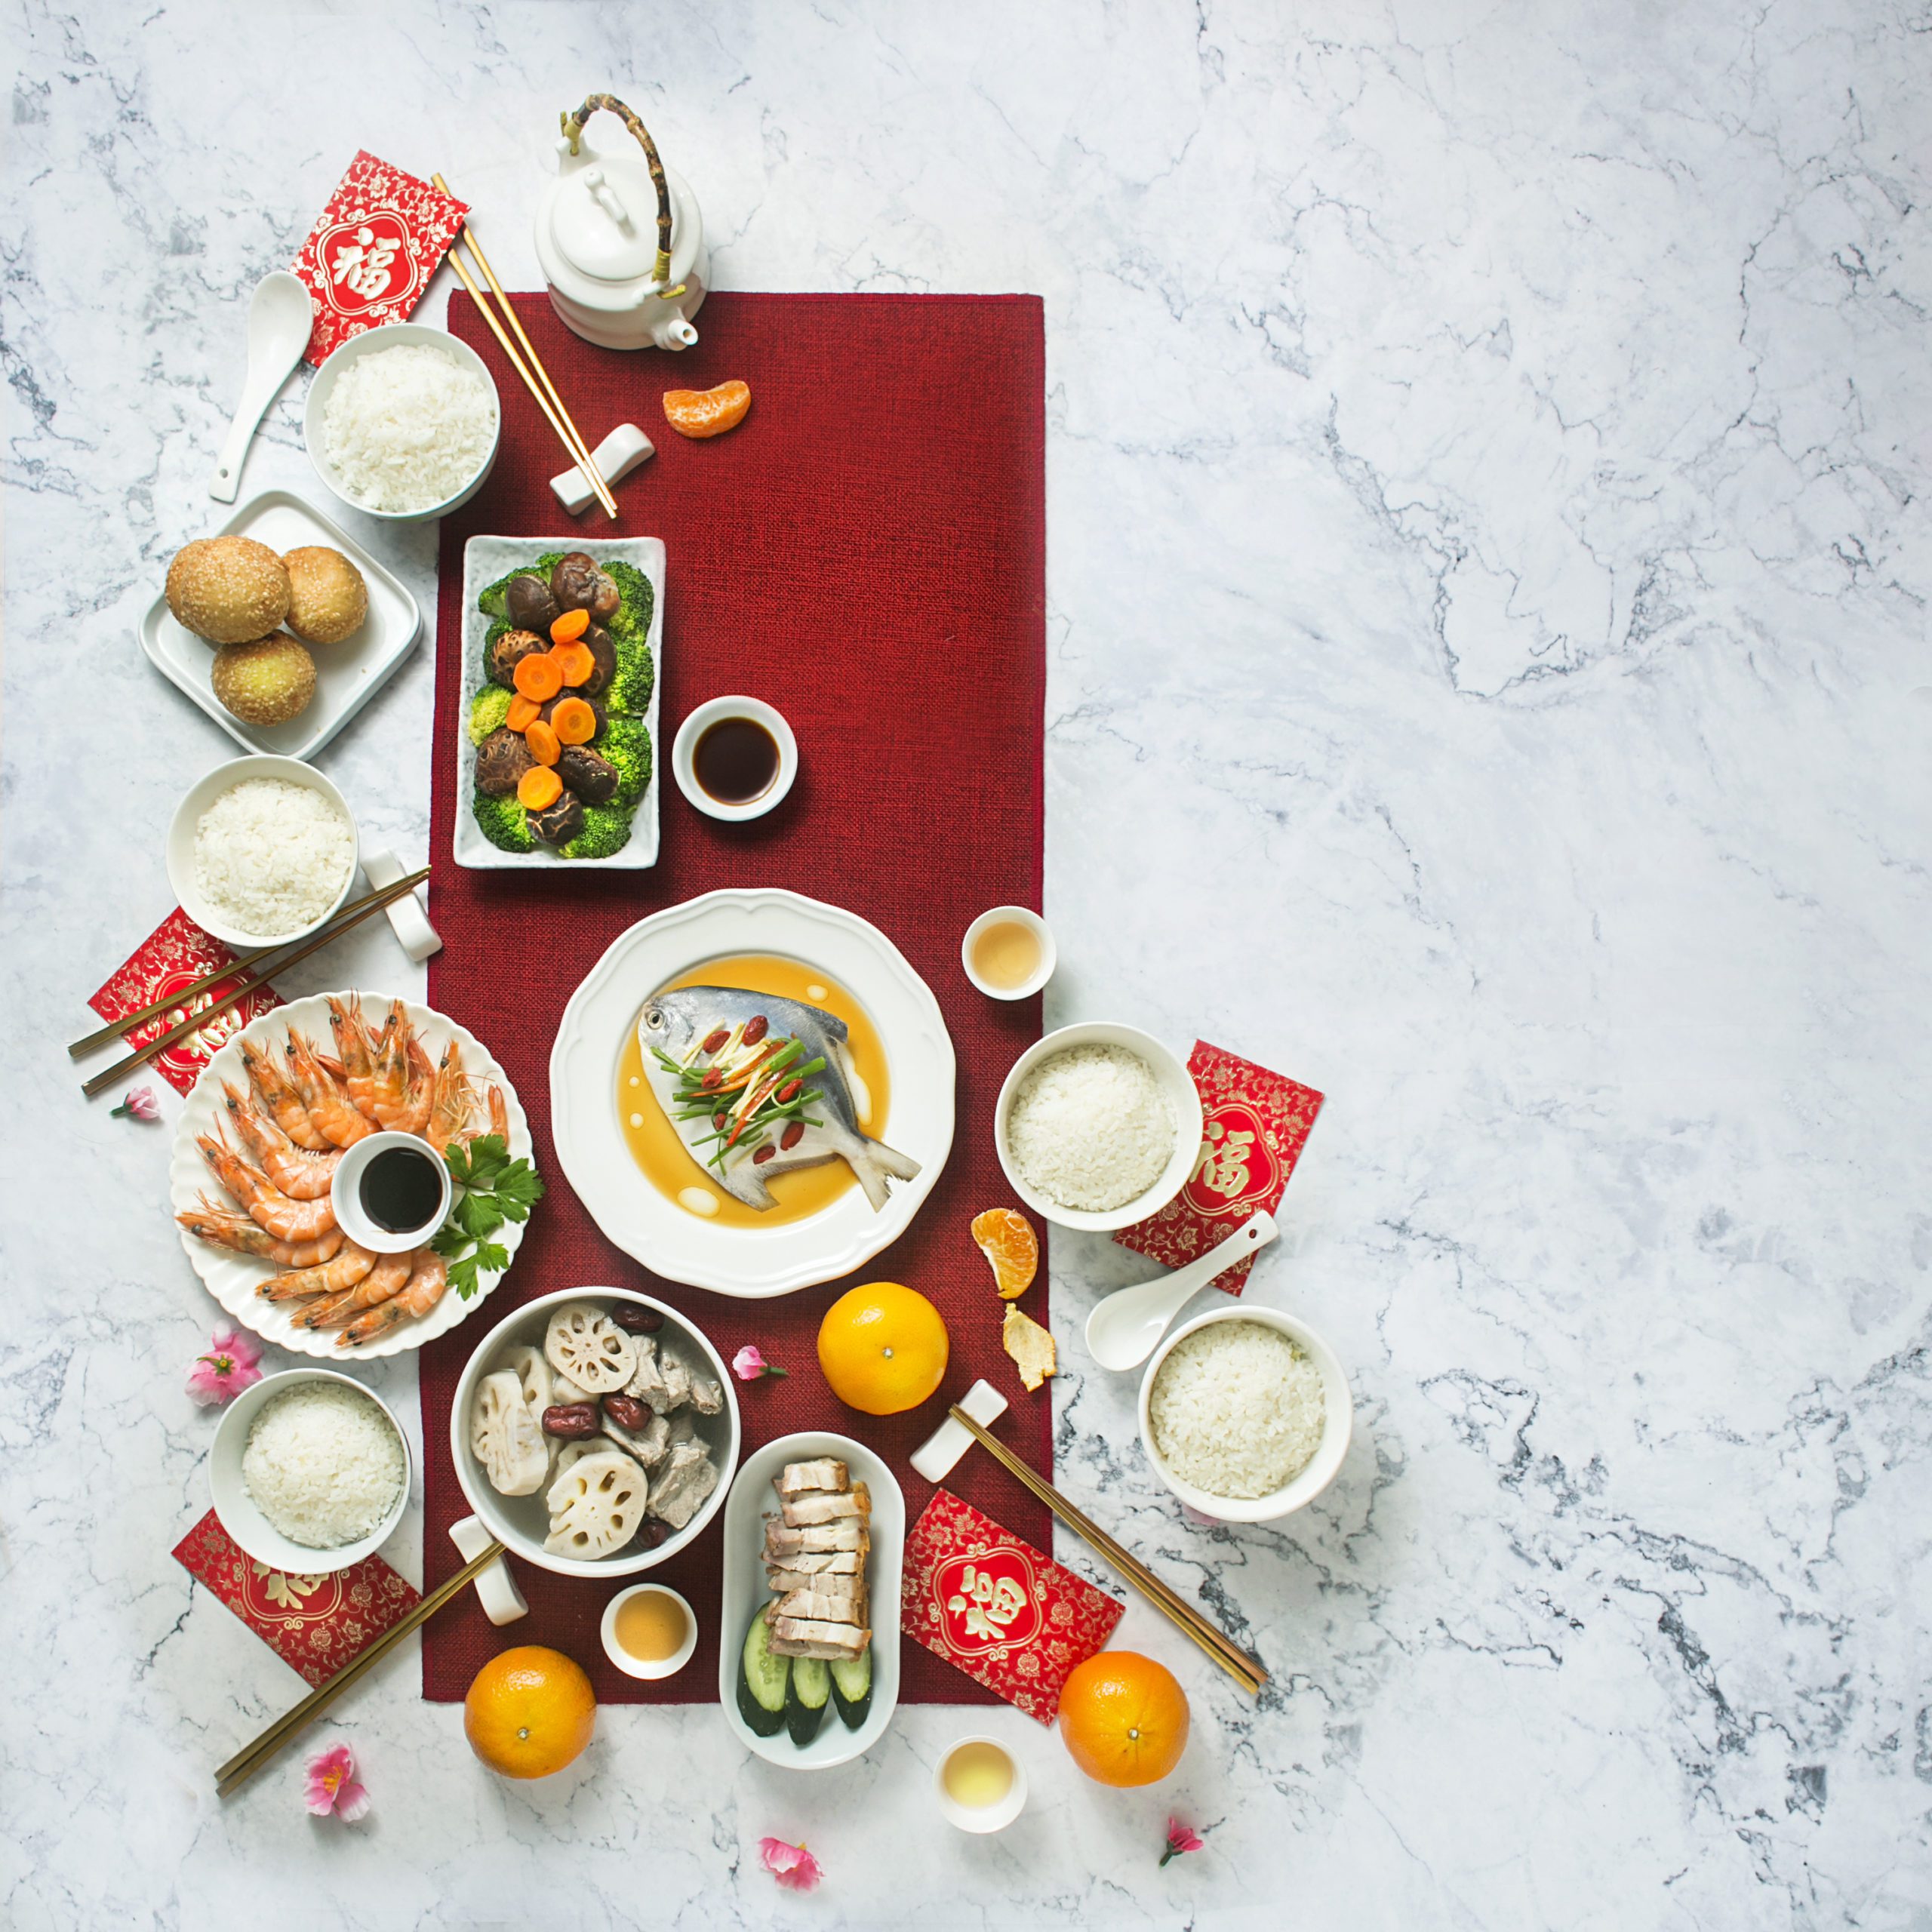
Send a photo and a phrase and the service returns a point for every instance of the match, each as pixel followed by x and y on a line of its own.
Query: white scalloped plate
pixel 754 1263
pixel 232 1278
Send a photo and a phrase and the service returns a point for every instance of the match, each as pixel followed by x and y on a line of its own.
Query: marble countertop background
pixel 1488 472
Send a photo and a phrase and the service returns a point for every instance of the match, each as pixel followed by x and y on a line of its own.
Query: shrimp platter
pixel 258 1145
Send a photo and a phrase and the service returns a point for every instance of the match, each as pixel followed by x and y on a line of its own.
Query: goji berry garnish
pixel 754 1029
pixel 710 1083
pixel 763 1155
pixel 718 1120
pixel 788 1092
pixel 795 1132
pixel 715 1040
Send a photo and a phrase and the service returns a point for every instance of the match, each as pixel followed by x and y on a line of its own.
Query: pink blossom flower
pixel 1181 1837
pixel 749 1364
pixel 231 1365
pixel 332 1786
pixel 140 1104
pixel 791 1865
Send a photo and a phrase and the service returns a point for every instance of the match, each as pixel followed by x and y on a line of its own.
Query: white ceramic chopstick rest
pixel 496 1589
pixel 934 1457
pixel 418 938
pixel 615 456
pixel 281 318
pixel 1125 1328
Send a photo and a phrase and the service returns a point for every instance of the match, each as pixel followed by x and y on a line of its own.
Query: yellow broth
pixel 670 1166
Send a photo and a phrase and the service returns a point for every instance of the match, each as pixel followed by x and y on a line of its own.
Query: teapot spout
pixel 673 331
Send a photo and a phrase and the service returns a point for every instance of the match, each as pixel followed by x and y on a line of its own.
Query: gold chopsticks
pixel 1247 1672
pixel 246 1762
pixel 249 977
pixel 566 430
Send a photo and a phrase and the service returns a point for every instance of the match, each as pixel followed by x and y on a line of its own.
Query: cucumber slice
pixel 811 1690
pixel 764 1681
pixel 852 1687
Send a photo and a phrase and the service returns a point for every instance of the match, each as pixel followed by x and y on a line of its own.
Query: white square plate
pixel 484 560
pixel 347 674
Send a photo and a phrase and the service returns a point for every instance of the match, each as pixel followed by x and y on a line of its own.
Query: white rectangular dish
pixel 347 674
pixel 484 560
pixel 752 1500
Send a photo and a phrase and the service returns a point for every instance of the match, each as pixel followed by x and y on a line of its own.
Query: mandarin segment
pixel 1006 1239
pixel 700 412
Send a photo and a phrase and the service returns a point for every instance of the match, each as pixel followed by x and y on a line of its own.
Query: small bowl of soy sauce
pixel 391 1192
pixel 734 757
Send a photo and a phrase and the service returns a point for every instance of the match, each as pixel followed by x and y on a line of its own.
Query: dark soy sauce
pixel 402 1189
pixel 736 761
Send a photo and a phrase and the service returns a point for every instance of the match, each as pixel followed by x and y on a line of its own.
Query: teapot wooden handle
pixel 573 126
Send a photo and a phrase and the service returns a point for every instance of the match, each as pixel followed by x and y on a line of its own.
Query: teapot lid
pixel 603 219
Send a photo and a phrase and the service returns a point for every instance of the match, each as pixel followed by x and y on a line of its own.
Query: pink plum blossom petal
pixel 231 1364
pixel 791 1865
pixel 332 1785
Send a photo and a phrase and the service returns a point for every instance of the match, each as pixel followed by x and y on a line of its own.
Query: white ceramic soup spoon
pixel 280 318
pixel 1125 1328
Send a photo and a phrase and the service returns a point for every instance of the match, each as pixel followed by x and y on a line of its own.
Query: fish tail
pixel 872 1161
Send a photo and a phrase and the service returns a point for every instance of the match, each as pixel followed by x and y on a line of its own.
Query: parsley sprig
pixel 495 1188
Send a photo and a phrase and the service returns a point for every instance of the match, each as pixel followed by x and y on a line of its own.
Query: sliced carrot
pixel 570 626
pixel 576 661
pixel 574 721
pixel 537 677
pixel 523 712
pixel 538 787
pixel 542 740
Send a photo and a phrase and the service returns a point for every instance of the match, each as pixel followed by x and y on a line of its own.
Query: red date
pixel 573 1421
pixel 627 1411
pixel 634 1318
pixel 754 1029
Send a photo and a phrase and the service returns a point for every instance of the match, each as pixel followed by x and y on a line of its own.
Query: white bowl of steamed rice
pixel 402 422
pixel 262 850
pixel 310 1471
pixel 1098 1126
pixel 1245 1414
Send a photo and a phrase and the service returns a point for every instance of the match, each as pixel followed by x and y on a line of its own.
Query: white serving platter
pixel 232 1278
pixel 752 1500
pixel 484 560
pixel 347 674
pixel 754 1263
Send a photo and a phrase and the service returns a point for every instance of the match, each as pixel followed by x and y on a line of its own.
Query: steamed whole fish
pixel 756 1086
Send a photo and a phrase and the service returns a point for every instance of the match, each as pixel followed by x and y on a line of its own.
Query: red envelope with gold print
pixel 1254 1125
pixel 1010 1618
pixel 317 1624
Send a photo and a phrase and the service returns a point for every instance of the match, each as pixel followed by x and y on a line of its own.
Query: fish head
pixel 670 1022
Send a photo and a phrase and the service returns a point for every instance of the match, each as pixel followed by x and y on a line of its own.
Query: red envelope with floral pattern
pixel 1010 1618
pixel 1254 1125
pixel 317 1624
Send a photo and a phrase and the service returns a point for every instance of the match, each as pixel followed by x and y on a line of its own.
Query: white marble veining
pixel 1489 565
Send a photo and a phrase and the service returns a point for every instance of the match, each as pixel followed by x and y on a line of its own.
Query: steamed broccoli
pixel 505 823
pixel 546 564
pixel 487 710
pixel 607 829
pixel 631 623
pixel 626 745
pixel 496 599
pixel 630 689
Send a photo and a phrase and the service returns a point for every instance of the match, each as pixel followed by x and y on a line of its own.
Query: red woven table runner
pixel 867 553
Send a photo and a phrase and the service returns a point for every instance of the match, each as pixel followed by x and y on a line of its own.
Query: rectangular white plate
pixel 484 560
pixel 752 1498
pixel 347 674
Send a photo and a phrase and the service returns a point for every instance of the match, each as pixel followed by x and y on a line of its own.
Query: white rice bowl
pixel 1090 1128
pixel 1237 1409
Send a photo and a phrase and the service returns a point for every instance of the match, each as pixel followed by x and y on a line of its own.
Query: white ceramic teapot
pixel 621 242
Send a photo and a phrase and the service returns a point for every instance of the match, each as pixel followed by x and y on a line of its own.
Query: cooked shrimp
pixel 452 1101
pixel 427 1281
pixel 267 1205
pixel 400 1063
pixel 300 1173
pixel 347 1268
pixel 222 1227
pixel 386 1279
pixel 351 1047
pixel 284 1103
pixel 329 1107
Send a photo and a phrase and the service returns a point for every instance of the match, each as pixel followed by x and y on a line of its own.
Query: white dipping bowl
pixel 984 1817
pixel 1014 915
pixel 1183 1102
pixel 637 1666
pixel 244 1520
pixel 393 335
pixel 346 1193
pixel 684 752
pixel 181 844
pixel 519 1522
pixel 1337 1422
